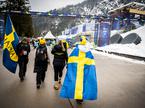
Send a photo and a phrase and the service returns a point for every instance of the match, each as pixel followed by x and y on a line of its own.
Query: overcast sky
pixel 46 5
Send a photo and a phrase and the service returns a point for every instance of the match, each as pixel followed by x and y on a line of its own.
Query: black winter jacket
pixel 41 64
pixel 23 50
pixel 60 56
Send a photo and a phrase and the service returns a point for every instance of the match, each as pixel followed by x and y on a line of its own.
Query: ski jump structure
pixel 130 8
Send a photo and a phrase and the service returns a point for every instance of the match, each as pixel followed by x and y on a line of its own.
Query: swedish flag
pixel 11 41
pixel 80 81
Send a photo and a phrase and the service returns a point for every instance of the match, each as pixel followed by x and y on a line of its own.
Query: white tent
pixel 49 35
pixel 62 37
pixel 39 37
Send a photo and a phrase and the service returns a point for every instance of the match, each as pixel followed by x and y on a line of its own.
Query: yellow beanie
pixel 83 40
pixel 64 41
pixel 42 41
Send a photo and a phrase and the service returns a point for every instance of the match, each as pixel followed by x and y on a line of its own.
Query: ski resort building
pixel 125 18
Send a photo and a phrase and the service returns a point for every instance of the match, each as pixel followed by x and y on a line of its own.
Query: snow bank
pixel 131 49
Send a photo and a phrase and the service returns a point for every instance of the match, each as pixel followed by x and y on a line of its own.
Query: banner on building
pixel 1 28
pixel 96 33
pixel 104 34
pixel 74 30
pixel 84 27
pixel 116 24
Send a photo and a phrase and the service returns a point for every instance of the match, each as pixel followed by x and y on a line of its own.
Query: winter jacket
pixel 60 56
pixel 23 50
pixel 41 58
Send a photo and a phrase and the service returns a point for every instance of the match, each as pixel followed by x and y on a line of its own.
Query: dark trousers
pixel 40 77
pixel 58 71
pixel 22 69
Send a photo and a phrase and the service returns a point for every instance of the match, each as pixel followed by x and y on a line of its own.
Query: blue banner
pixel 96 33
pixel 124 23
pixel 104 34
pixel 74 30
pixel 1 28
pixel 84 27
pixel 116 24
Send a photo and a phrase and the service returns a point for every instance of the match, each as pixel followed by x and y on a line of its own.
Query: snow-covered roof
pixel 49 35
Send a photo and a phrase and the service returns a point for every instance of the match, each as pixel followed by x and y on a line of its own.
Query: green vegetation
pixel 21 22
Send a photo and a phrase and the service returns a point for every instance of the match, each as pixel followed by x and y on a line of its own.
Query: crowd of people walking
pixel 80 80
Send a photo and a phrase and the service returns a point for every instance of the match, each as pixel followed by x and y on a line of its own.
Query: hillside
pixel 88 7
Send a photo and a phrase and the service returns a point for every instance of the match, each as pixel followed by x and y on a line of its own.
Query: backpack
pixel 41 54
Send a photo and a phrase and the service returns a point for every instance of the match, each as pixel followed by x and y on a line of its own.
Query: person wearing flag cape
pixel 80 82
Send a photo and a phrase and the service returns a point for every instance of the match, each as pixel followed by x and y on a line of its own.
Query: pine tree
pixel 22 22
pixel 2 5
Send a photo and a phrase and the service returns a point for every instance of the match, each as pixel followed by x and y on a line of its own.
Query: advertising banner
pixel 104 34
pixel 74 30
pixel 1 28
pixel 84 27
pixel 116 24
pixel 96 33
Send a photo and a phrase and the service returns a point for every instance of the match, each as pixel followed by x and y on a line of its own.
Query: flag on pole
pixel 11 41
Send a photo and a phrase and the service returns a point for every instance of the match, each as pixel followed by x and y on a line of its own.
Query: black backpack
pixel 41 54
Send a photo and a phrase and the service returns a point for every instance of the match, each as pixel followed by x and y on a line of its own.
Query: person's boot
pixel 22 79
pixel 79 101
pixel 59 81
pixel 38 86
pixel 56 85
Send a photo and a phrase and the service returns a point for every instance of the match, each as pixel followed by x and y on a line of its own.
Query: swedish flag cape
pixel 80 81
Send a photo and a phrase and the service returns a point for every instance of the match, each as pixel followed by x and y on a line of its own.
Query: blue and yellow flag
pixel 80 81
pixel 11 41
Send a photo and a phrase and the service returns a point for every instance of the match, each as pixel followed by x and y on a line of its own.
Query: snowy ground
pixel 131 49
pixel 118 57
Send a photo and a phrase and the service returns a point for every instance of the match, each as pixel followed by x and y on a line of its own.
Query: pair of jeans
pixel 22 69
